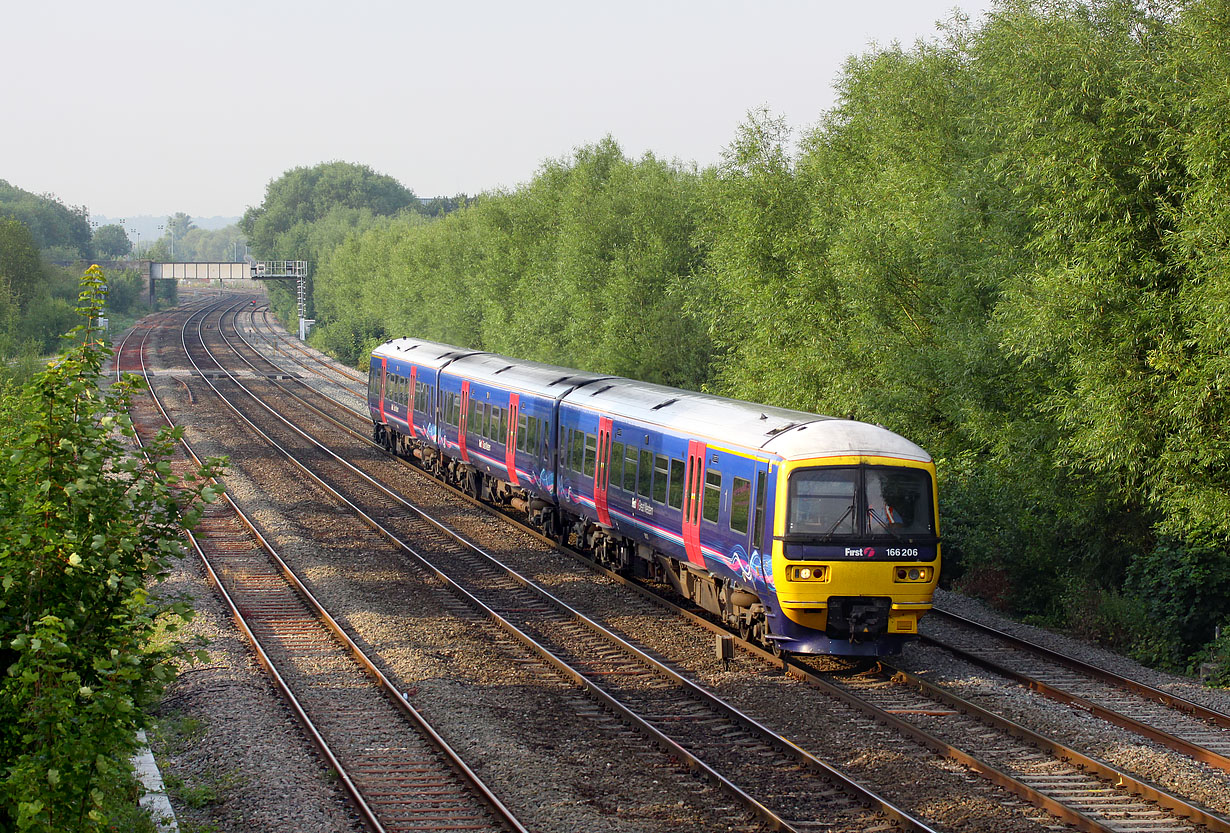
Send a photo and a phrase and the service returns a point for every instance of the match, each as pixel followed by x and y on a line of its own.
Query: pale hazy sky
pixel 151 108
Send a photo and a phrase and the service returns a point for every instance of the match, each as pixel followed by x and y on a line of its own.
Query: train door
pixel 411 400
pixel 602 472
pixel 510 441
pixel 464 421
pixel 693 497
pixel 760 499
pixel 384 376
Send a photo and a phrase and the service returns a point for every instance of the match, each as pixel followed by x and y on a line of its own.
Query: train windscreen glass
pixel 822 502
pixel 847 501
pixel 898 501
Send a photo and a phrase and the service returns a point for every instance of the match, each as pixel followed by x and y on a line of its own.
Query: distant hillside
pixel 148 224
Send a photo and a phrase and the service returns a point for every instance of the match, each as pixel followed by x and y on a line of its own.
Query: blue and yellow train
pixel 806 533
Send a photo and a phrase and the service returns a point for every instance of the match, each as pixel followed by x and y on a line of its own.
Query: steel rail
pixel 1172 741
pixel 296 347
pixel 1105 771
pixel 1174 701
pixel 452 756
pixel 365 809
pixel 1177 805
pixel 783 744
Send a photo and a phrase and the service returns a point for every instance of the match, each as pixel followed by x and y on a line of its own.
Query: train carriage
pixel 402 394
pixel 807 533
pixel 500 428
pixel 710 472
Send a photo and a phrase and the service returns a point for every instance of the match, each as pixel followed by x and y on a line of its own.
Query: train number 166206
pixel 902 553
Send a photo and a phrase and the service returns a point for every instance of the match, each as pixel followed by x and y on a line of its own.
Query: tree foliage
pixel 586 266
pixel 111 241
pixel 85 525
pixel 302 196
pixel 1010 243
pixel 55 226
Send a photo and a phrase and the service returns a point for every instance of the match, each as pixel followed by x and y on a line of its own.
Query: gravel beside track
pixel 558 762
pixel 1184 777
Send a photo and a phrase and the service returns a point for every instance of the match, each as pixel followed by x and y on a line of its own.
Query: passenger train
pixel 806 533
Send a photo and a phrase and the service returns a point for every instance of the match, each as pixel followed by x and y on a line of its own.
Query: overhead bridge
pixel 237 275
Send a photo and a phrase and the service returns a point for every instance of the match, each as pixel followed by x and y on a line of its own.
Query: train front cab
pixel 855 553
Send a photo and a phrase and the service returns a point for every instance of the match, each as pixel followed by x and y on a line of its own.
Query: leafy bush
pixel 1182 590
pixel 85 525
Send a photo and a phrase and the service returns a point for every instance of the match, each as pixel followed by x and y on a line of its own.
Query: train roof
pixel 786 433
pixel 426 353
pixel 532 377
pixel 789 434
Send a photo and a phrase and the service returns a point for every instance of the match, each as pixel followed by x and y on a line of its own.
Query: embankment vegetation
pixel 86 528
pixel 1009 243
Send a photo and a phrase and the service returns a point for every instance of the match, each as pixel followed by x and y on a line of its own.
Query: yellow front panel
pixel 802 601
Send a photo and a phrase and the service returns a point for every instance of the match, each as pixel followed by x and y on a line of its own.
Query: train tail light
pixel 913 574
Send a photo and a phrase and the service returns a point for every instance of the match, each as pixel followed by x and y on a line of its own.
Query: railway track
pixel 1081 791
pixel 1086 798
pixel 1187 727
pixel 398 772
pixel 788 788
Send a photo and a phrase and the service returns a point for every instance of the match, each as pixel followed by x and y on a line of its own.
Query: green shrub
pixel 85 526
pixel 1182 588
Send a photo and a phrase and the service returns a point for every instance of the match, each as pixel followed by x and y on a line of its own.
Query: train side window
pixel 713 496
pixel 474 425
pixel 522 431
pixel 504 426
pixel 644 480
pixel 661 476
pixel 591 454
pixel 740 504
pixel 676 493
pixel 758 534
pixel 617 465
pixel 629 480
pixel 578 450
pixel 531 435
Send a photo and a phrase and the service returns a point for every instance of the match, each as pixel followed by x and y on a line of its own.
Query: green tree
pixel 303 196
pixel 54 225
pixel 111 241
pixel 21 268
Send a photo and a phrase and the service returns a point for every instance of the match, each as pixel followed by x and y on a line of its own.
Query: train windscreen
pixel 860 501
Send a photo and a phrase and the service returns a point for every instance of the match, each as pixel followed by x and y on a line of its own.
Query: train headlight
pixel 809 573
pixel 908 574
pixel 805 573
